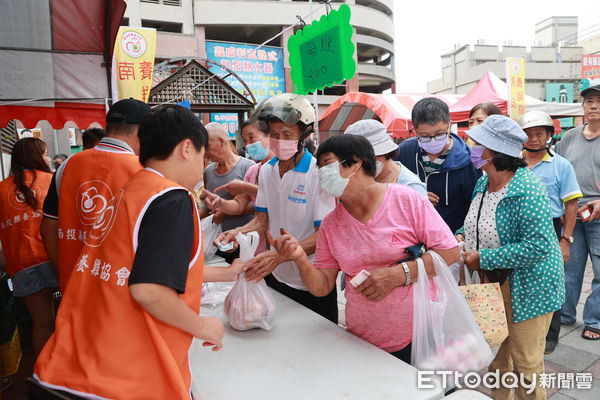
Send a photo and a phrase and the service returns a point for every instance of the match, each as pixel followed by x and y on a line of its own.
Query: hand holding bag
pixel 445 334
pixel 249 305
pixel 486 304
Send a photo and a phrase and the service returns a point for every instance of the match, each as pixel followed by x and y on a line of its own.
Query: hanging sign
pixel 133 63
pixel 515 80
pixel 322 53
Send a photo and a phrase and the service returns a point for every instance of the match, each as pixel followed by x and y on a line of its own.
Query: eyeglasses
pixel 427 139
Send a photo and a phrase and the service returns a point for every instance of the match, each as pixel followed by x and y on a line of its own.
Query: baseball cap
pixel 595 88
pixel 129 111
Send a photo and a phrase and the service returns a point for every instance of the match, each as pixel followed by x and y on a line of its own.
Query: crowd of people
pixel 117 228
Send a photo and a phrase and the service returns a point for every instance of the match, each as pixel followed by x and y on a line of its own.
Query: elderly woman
pixel 255 134
pixel 371 227
pixel 387 170
pixel 510 238
pixel 479 113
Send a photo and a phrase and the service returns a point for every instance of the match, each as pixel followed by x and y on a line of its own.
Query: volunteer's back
pixel 82 188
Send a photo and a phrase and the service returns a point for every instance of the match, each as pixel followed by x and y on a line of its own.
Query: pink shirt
pixel 252 177
pixel 404 218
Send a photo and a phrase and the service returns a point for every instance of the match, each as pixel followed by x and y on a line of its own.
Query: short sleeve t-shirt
pixel 404 218
pixel 587 168
pixel 252 176
pixel 409 178
pixel 212 180
pixel 294 202
pixel 165 242
pixel 558 175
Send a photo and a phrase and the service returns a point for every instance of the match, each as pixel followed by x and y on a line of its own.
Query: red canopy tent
pixel 492 89
pixel 55 60
pixel 393 110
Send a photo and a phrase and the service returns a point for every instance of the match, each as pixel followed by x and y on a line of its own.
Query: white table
pixel 304 357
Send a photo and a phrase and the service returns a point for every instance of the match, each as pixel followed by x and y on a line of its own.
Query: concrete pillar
pixel 286 59
pixel 352 85
pixel 200 34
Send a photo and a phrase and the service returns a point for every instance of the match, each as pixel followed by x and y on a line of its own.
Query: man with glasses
pixel 441 159
pixel 581 146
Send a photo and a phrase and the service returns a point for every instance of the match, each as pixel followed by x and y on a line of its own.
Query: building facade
pixel 555 58
pixel 184 27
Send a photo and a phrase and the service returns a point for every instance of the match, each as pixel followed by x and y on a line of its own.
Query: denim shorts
pixel 34 279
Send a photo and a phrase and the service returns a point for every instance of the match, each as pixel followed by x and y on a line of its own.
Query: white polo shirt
pixel 294 202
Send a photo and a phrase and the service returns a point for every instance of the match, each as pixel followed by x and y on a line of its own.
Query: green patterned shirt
pixel 528 246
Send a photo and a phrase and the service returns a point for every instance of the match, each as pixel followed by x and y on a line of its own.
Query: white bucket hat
pixel 376 133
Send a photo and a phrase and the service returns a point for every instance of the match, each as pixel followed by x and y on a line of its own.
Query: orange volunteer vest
pixel 89 181
pixel 105 345
pixel 20 223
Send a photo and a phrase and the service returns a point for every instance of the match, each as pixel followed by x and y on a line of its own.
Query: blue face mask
pixel 257 151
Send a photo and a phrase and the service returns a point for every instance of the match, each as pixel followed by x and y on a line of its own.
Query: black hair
pixel 260 124
pixel 164 128
pixel 504 162
pixel 120 128
pixel 350 149
pixel 309 144
pixel 487 108
pixel 90 137
pixel 60 155
pixel 391 155
pixel 430 111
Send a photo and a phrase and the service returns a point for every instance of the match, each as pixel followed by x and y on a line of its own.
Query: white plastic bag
pixel 446 337
pixel 249 305
pixel 472 277
pixel 214 293
pixel 210 231
pixel 457 266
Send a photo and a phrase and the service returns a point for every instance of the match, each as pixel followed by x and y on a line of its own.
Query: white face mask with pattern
pixel 331 181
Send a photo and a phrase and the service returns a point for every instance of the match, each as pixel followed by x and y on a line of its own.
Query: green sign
pixel 321 54
pixel 561 93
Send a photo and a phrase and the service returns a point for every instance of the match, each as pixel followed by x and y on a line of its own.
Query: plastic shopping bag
pixel 456 268
pixel 446 337
pixel 210 231
pixel 214 293
pixel 249 305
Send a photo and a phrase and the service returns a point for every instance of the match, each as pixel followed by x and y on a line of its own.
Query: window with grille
pixel 150 1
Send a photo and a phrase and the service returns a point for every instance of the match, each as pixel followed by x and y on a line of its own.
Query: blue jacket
pixel 453 183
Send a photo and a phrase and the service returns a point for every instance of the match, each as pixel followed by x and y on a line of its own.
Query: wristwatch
pixel 406 272
pixel 567 238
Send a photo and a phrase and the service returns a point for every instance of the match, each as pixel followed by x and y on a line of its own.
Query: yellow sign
pixel 515 80
pixel 133 63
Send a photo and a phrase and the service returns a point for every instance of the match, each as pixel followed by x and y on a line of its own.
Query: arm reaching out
pixel 164 304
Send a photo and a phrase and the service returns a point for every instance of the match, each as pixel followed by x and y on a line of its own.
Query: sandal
pixel 590 329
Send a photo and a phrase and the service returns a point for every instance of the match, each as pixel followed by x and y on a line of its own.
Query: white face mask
pixel 378 168
pixel 331 181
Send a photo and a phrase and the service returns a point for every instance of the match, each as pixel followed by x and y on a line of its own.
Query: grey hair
pixel 430 111
pixel 218 129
